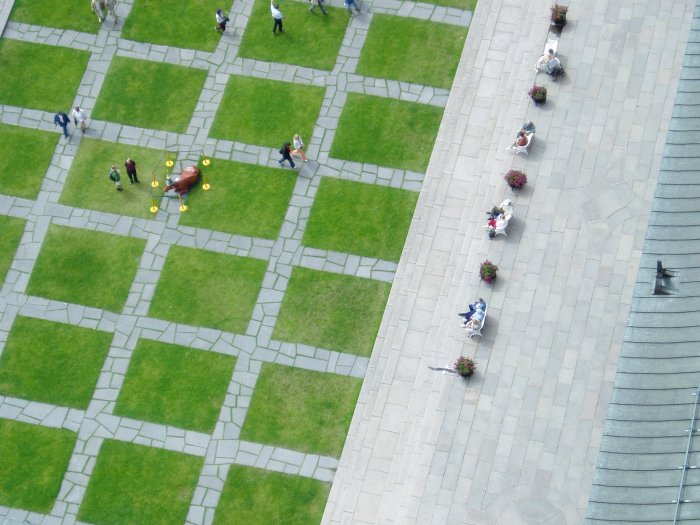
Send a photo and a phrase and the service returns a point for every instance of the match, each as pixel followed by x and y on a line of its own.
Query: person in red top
pixel 130 166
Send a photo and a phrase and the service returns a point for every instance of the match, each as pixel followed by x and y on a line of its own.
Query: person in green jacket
pixel 115 178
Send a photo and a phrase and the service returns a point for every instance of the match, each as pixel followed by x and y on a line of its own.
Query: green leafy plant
pixel 538 93
pixel 559 15
pixel 465 366
pixel 515 179
pixel 488 271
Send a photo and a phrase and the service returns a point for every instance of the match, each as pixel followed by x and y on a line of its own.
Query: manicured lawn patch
pixel 309 39
pixel 219 291
pixel 406 49
pixel 88 185
pixel 403 138
pixel 174 23
pixel 149 94
pixel 174 385
pixel 29 76
pixel 86 267
pixel 12 229
pixel 134 484
pixel 363 219
pixel 300 409
pixel 52 362
pixel 254 496
pixel 245 199
pixel 266 112
pixel 66 14
pixel 27 152
pixel 338 312
pixel 32 461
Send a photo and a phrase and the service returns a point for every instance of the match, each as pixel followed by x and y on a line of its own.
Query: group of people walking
pixel 79 119
pixel 286 151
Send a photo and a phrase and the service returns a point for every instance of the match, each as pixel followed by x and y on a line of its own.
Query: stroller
pixel 555 69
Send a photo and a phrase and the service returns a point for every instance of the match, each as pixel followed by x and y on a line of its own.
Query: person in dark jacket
pixel 61 119
pixel 286 152
pixel 130 166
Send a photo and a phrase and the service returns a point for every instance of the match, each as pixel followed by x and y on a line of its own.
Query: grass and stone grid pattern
pixel 129 389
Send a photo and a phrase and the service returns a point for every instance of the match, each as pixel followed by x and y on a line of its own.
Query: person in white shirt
pixel 221 20
pixel 549 55
pixel 80 118
pixel 277 17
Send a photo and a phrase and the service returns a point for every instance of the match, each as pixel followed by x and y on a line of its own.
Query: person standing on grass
pixel 276 16
pixel 349 4
pixel 286 152
pixel 61 119
pixel 130 166
pixel 318 3
pixel 80 118
pixel 299 147
pixel 115 178
pixel 221 20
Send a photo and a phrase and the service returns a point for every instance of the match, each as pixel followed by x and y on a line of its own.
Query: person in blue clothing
pixel 61 119
pixel 349 5
pixel 479 305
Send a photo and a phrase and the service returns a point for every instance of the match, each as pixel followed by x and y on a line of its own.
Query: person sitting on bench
pixel 478 305
pixel 549 55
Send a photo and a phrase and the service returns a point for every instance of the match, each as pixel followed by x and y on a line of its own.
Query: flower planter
pixel 465 366
pixel 488 271
pixel 515 179
pixel 558 17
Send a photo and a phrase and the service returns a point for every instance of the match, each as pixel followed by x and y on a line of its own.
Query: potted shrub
pixel 488 271
pixel 515 179
pixel 465 366
pixel 559 15
pixel 538 94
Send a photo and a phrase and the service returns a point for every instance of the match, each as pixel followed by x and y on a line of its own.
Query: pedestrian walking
pixel 277 17
pixel 299 147
pixel 286 152
pixel 315 3
pixel 111 6
pixel 61 119
pixel 221 20
pixel 80 118
pixel 349 5
pixel 99 7
pixel 130 166
pixel 115 178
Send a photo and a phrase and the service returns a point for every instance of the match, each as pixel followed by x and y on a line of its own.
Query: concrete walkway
pixel 518 442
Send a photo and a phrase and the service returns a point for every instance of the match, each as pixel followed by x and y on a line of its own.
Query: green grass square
pixel 12 230
pixel 29 152
pixel 309 39
pixel 139 485
pixel 301 409
pixel 175 23
pixel 244 199
pixel 88 185
pixel 52 362
pixel 86 267
pixel 337 312
pixel 149 94
pixel 66 14
pixel 407 49
pixel 33 460
pixel 220 290
pixel 175 385
pixel 403 138
pixel 255 496
pixel 358 218
pixel 266 112
pixel 39 76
